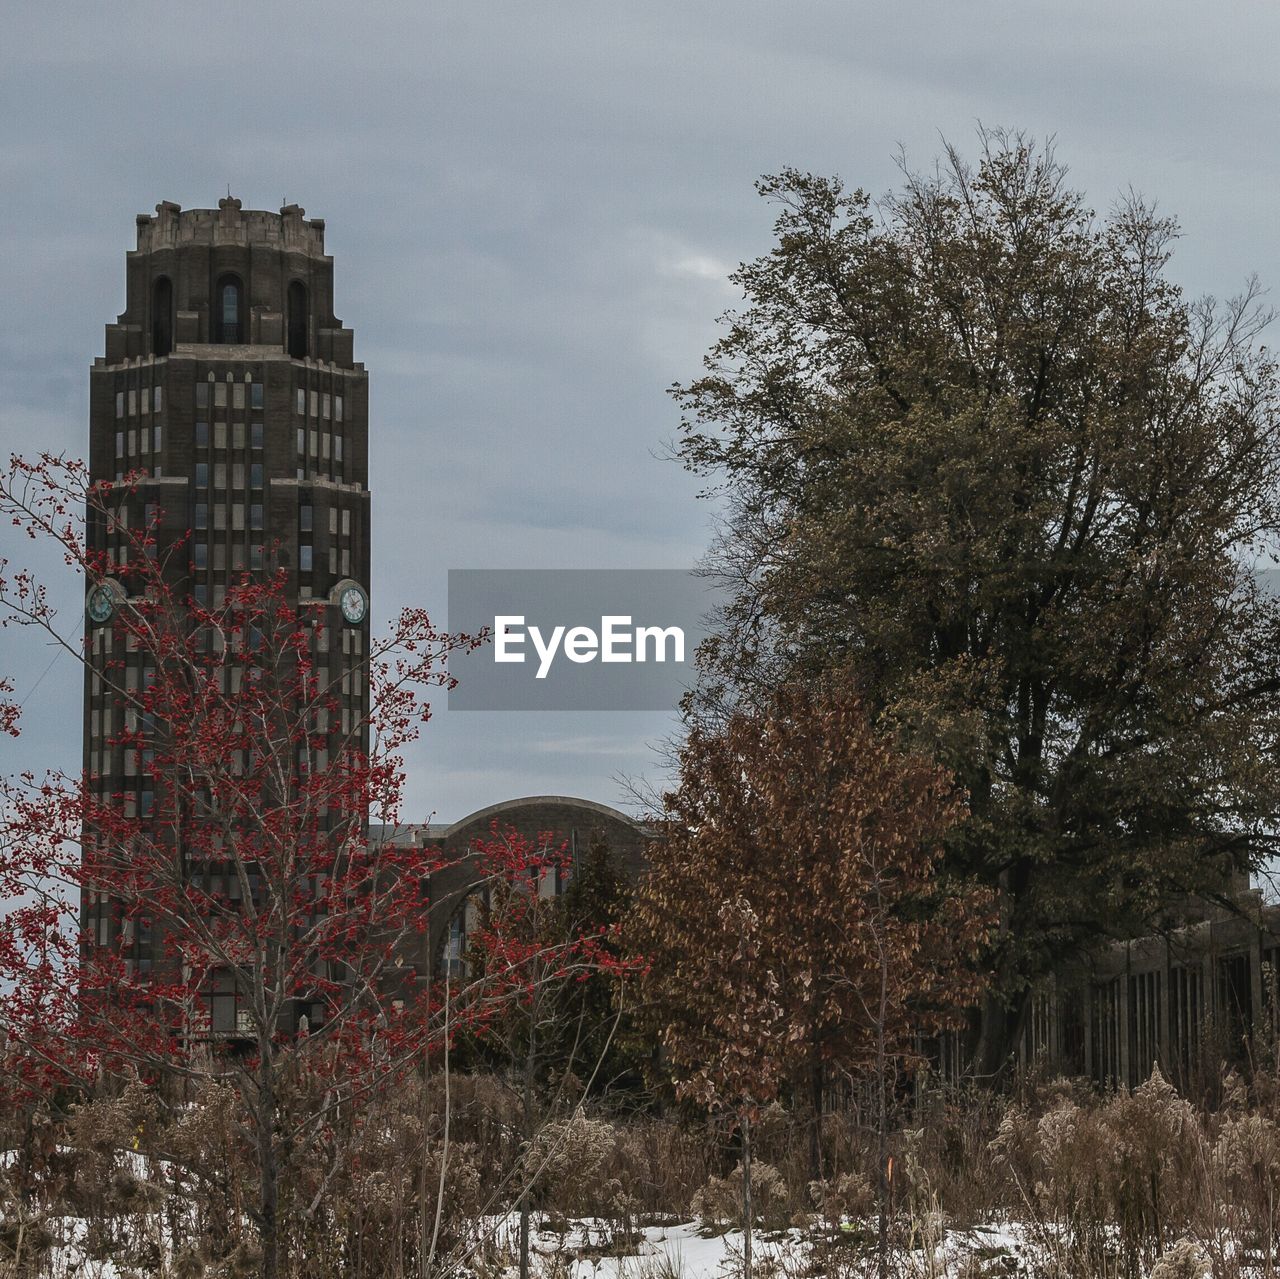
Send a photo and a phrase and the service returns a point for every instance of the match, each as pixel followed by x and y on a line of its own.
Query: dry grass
pixel 1127 1185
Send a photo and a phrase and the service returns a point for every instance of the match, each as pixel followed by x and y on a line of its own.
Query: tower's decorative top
pixel 229 276
pixel 230 224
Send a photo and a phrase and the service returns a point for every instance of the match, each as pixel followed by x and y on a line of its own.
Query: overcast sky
pixel 532 208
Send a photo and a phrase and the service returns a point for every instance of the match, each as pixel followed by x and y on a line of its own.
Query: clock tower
pixel 229 390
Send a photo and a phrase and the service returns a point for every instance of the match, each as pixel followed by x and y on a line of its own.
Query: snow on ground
pixel 591 1249
pixel 586 1249
pixel 67 1259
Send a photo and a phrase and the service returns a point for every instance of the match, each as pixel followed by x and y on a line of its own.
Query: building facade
pixel 228 414
pixel 456 890
pixel 1202 995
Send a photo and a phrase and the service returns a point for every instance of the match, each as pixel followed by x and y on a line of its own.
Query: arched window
pixel 229 308
pixel 161 317
pixel 297 320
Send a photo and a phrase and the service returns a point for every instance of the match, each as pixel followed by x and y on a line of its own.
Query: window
pixel 202 475
pixel 237 435
pixel 301 404
pixel 202 435
pixel 161 318
pixel 119 404
pixel 337 408
pixel 200 555
pixel 305 517
pixel 324 405
pixel 133 401
pixel 255 435
pixel 456 947
pixel 202 395
pixel 302 439
pixel 255 557
pixel 255 475
pixel 222 1009
pixel 230 305
pixel 157 398
pixel 155 438
pixel 219 395
pixel 337 448
pixel 119 444
pixel 304 558
pixel 219 435
pixel 255 515
pixel 202 515
pixel 237 396
pixel 255 395
pixel 297 341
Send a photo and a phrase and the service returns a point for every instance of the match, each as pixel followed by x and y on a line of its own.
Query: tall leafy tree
pixel 984 462
pixel 794 922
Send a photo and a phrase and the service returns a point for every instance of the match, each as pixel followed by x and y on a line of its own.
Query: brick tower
pixel 229 382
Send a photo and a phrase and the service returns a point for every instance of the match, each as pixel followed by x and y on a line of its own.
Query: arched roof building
pixel 577 822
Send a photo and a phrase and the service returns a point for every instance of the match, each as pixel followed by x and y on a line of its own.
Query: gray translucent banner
pixel 577 639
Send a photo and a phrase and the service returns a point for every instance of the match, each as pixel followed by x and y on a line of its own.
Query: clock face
pixel 353 605
pixel 102 603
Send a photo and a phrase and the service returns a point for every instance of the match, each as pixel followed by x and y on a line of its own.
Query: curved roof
pixel 571 801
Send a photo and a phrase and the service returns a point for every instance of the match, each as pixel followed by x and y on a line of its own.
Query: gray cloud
pixel 532 208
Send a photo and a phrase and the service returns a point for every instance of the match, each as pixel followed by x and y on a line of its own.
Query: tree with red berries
pixel 229 917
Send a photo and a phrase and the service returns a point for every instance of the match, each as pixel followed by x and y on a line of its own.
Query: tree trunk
pixel 424 1119
pixel 816 1090
pixel 748 1208
pixel 882 1134
pixel 998 1030
pixel 429 1250
pixel 528 1146
pixel 268 1172
pixel 424 1237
